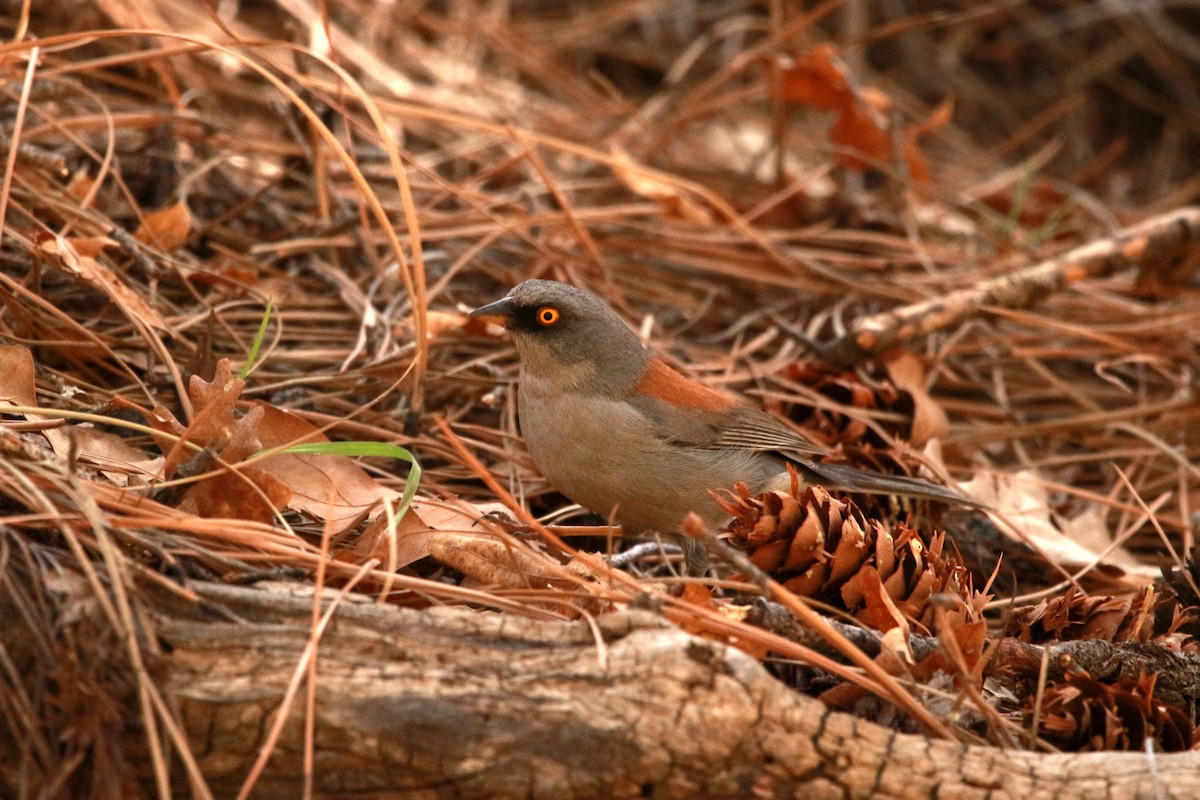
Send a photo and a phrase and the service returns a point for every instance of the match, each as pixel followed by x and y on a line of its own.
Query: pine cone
pixel 821 547
pixel 1081 713
pixel 847 389
pixel 1076 616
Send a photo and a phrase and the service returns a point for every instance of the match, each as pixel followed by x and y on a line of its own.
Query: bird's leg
pixel 626 557
pixel 695 555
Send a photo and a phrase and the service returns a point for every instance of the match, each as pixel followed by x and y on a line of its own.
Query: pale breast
pixel 611 459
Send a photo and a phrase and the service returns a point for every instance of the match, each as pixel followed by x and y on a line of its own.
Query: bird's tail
pixel 840 476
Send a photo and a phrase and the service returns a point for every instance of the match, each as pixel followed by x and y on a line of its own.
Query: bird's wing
pixel 737 428
pixel 689 414
pixel 751 429
pixel 756 430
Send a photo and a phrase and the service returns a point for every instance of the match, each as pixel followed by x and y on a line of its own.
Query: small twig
pixel 134 249
pixel 1162 241
pixel 776 619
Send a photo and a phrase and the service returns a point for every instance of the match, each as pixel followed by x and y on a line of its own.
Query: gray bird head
pixel 561 331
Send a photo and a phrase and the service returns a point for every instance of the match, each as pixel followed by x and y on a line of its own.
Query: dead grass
pixel 374 173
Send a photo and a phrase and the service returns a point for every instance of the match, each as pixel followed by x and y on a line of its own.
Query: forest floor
pixel 955 243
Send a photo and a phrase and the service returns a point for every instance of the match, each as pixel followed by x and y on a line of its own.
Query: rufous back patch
pixel 663 383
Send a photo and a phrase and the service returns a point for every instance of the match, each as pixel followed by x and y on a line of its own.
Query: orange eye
pixel 548 315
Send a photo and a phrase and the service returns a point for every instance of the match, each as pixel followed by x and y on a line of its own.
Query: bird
pixel 620 432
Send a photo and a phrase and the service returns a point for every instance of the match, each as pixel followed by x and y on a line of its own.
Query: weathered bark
pixel 1164 247
pixel 462 703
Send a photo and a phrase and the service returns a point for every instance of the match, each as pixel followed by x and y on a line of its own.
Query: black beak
pixel 497 313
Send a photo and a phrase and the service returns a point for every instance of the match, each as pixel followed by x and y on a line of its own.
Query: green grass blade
pixel 256 345
pixel 368 450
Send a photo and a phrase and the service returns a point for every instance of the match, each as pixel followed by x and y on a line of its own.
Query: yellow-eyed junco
pixel 623 434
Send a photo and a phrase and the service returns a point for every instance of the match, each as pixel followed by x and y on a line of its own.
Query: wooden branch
pixel 1016 663
pixel 1166 247
pixel 459 703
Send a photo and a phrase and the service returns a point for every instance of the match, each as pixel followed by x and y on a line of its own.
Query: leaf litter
pixel 933 274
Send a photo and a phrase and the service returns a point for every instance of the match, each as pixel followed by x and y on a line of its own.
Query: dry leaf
pixel 247 494
pixel 918 166
pixel 496 563
pixel 80 185
pixel 862 126
pixel 331 488
pixel 654 185
pixel 91 246
pixel 167 228
pixel 104 450
pixel 60 250
pixel 213 423
pixel 1021 500
pixel 895 642
pixel 929 419
pixel 819 78
pixel 18 386
pixel 440 323
pixel 423 518
pixel 109 453
pixel 698 595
